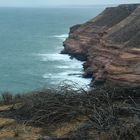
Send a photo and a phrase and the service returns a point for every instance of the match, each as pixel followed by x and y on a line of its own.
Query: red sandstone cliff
pixel 110 45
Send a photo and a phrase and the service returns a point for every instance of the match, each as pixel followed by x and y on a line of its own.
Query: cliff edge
pixel 110 46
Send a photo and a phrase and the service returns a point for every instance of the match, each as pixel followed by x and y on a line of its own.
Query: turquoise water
pixel 30 43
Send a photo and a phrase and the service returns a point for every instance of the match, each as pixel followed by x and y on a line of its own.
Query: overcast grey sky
pixel 36 3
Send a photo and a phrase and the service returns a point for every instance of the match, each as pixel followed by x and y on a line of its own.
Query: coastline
pixel 108 112
pixel 30 54
pixel 103 44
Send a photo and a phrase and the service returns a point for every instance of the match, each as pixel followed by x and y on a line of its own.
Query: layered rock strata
pixel 110 45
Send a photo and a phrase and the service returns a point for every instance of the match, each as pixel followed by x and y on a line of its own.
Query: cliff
pixel 110 46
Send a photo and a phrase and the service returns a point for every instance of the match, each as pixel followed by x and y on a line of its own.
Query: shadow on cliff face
pixel 76 114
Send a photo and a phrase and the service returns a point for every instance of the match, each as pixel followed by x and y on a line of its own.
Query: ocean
pixel 30 45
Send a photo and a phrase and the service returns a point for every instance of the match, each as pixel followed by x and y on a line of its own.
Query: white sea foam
pixel 68 76
pixel 71 65
pixel 63 67
pixel 76 65
pixel 48 75
pixel 53 57
pixel 71 69
pixel 61 37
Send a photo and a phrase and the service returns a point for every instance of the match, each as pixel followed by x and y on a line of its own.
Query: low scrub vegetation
pixel 110 112
pixel 6 98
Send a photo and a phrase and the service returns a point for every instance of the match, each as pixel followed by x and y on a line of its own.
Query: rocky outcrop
pixel 110 45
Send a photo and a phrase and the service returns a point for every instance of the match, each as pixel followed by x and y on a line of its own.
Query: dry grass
pixel 10 129
pixel 66 128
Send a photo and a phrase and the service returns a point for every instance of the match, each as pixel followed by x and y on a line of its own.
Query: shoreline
pixel 98 42
pixel 109 112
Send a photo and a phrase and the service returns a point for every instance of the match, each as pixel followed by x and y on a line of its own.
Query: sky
pixel 46 3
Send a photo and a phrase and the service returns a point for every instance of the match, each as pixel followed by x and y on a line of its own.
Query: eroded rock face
pixel 110 44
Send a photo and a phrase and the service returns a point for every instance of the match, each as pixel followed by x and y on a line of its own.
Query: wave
pixel 48 75
pixel 63 67
pixel 61 37
pixel 53 57
pixel 71 65
pixel 66 77
pixel 66 62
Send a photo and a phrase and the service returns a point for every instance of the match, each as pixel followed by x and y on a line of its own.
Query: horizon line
pixel 58 6
pixel 62 6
